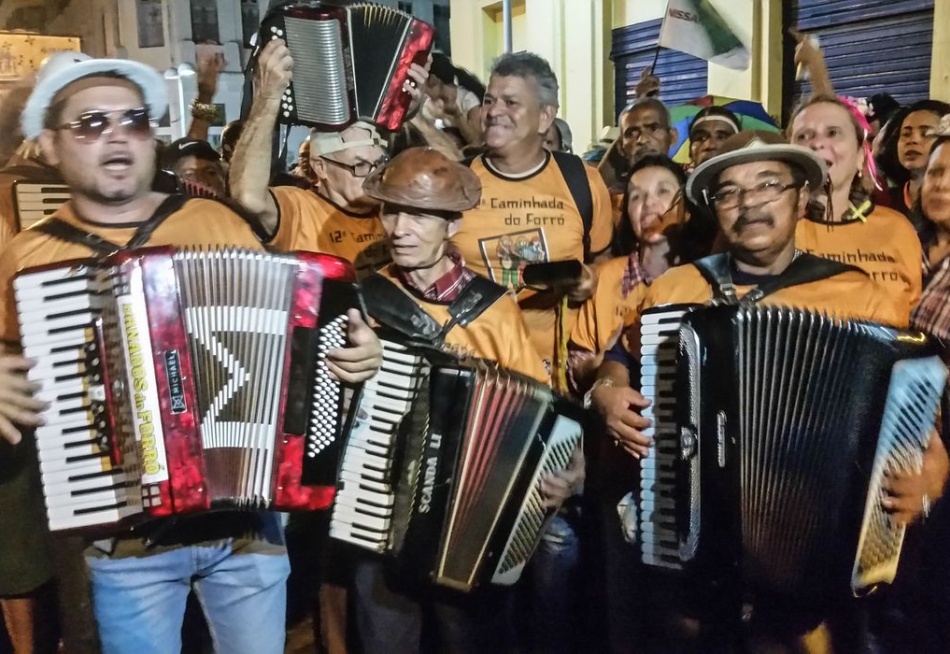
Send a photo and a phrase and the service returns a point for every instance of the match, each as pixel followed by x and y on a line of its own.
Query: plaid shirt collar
pixel 633 275
pixel 932 313
pixel 447 287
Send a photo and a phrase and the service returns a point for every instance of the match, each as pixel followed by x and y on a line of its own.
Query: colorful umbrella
pixel 752 115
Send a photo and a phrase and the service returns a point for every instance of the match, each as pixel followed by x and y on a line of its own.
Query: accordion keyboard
pixel 659 544
pixel 364 502
pixel 82 482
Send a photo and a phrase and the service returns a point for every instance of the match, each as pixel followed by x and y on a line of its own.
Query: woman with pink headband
pixel 851 228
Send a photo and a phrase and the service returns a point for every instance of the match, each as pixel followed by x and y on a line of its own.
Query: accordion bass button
pixel 688 443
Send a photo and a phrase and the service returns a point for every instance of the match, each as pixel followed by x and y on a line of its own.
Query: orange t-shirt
pixel 498 334
pixel 602 317
pixel 528 220
pixel 309 222
pixel 199 223
pixel 849 295
pixel 886 247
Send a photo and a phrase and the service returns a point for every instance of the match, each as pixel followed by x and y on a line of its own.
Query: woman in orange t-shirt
pixel 652 211
pixel 850 228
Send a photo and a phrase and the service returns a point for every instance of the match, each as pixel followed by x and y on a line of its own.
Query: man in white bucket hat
pixel 93 119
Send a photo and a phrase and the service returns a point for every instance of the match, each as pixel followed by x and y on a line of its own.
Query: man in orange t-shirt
pixel 92 118
pixel 758 186
pixel 423 195
pixel 335 216
pixel 528 212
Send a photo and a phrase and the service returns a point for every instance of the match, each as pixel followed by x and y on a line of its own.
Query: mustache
pixel 746 218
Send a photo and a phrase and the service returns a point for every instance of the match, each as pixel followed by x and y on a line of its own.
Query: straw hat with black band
pixel 747 147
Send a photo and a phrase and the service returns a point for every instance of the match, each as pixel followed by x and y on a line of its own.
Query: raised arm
pixel 208 70
pixel 810 56
pixel 251 164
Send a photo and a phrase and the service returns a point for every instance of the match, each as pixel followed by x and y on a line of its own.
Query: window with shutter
pixel 870 46
pixel 683 76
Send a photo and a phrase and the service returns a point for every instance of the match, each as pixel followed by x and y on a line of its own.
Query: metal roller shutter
pixel 683 76
pixel 871 46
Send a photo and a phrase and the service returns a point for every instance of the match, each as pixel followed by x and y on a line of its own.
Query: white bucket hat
pixel 61 69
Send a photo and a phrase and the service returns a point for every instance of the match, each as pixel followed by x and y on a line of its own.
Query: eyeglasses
pixel 361 169
pixel 764 193
pixel 91 125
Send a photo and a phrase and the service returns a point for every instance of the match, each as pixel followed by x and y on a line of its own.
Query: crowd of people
pixel 846 212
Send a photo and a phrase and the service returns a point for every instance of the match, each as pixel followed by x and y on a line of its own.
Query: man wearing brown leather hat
pixel 423 194
pixel 428 297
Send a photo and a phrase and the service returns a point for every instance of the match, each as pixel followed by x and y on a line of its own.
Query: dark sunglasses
pixel 93 124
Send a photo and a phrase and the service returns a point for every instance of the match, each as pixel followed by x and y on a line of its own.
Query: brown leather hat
pixel 423 178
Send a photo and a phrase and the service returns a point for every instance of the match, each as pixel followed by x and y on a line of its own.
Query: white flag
pixel 696 28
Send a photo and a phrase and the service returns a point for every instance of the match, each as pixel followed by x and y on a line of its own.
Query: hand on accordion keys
pixel 364 356
pixel 620 406
pixel 17 404
pixel 909 493
pixel 557 488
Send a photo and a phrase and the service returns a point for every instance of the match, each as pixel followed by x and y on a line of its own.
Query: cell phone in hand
pixel 553 273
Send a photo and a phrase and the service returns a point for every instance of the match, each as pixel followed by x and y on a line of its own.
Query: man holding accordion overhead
pixel 746 477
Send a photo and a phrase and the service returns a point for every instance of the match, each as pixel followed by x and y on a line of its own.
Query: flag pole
pixel 656 55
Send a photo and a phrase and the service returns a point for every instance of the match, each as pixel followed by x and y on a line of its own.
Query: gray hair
pixel 528 64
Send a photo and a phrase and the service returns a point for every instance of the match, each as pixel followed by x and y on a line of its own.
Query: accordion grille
pixel 319 88
pixel 565 436
pixel 906 427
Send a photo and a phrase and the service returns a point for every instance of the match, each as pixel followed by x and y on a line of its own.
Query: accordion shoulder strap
pixel 804 269
pixel 390 306
pixel 574 171
pixel 475 298
pixel 64 231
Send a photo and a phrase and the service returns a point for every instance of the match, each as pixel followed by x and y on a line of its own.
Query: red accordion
pixel 182 381
pixel 350 62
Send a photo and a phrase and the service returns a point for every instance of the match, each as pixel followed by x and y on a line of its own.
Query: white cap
pixel 61 69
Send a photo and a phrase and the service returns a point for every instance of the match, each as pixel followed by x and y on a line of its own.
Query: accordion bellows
pixel 442 471
pixel 182 381
pixel 773 428
pixel 350 62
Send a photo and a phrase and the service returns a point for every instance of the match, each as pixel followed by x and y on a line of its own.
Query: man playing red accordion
pixel 94 118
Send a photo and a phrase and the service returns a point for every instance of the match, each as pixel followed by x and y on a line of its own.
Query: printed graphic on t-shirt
pixel 506 255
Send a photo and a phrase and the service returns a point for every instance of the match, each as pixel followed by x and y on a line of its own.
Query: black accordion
pixel 350 62
pixel 442 471
pixel 773 429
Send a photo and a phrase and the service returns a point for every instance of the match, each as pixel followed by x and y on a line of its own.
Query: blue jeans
pixel 139 596
pixel 555 594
